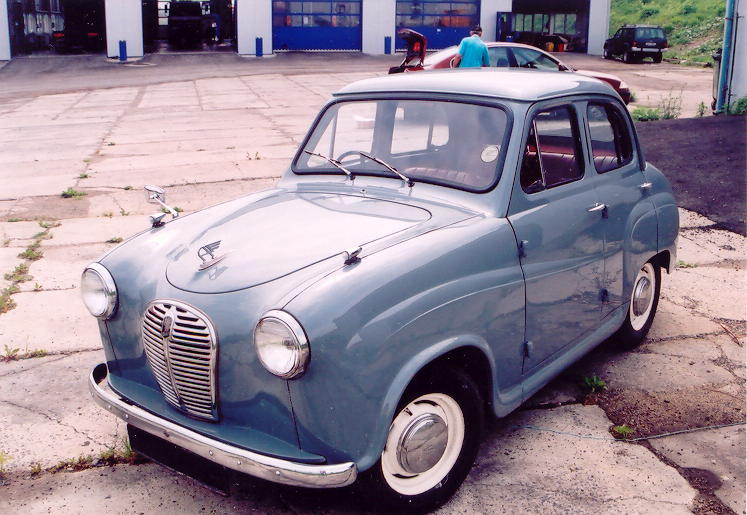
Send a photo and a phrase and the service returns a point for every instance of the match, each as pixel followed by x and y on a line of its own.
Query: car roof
pixel 523 85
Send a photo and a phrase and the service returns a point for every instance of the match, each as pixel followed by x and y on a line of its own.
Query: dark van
pixel 636 42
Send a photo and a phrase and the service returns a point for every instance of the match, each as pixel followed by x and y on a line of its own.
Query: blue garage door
pixel 443 23
pixel 308 25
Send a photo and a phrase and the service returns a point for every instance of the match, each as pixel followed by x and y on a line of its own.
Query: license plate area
pixel 211 475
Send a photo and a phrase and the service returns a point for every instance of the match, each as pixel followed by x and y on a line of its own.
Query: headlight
pixel 99 291
pixel 281 344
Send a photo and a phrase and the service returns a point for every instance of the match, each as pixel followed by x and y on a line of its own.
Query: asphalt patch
pixel 705 160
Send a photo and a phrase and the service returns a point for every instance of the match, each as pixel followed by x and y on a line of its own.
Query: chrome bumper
pixel 235 458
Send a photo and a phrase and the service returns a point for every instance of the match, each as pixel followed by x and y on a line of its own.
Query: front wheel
pixel 431 445
pixel 644 299
pixel 607 53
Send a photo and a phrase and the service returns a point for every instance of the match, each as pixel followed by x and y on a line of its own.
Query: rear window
pixel 649 33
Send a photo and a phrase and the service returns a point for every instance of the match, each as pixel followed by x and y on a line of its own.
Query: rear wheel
pixel 657 57
pixel 431 445
pixel 629 57
pixel 644 299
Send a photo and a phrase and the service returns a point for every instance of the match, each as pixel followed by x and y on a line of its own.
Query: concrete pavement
pixel 212 139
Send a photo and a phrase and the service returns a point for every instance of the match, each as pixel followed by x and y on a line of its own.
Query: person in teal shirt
pixel 472 53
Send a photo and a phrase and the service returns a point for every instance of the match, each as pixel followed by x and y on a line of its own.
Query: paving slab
pixel 720 451
pixel 19 230
pixel 8 261
pixel 48 415
pixel 524 470
pixel 79 231
pixel 55 321
pixel 673 320
pixel 705 348
pixel 61 267
pixel 715 291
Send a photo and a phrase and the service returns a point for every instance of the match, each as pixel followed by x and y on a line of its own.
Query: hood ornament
pixel 207 254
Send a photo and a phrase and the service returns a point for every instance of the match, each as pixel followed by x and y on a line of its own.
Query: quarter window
pixel 611 145
pixel 552 153
pixel 499 57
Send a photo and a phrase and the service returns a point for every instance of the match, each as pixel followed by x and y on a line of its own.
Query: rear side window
pixel 649 33
pixel 499 57
pixel 611 145
pixel 552 153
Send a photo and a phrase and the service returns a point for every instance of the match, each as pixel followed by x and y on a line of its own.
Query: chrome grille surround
pixel 182 354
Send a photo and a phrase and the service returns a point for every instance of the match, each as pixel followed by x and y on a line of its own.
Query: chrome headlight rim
pixel 110 290
pixel 302 351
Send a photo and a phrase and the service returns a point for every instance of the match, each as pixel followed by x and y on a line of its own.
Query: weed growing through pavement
pixel 122 212
pixel 623 432
pixel 6 303
pixel 115 239
pixel 32 252
pixel 83 176
pixel 701 110
pixel 11 354
pixel 127 188
pixel 15 219
pixel 49 224
pixel 176 208
pixel 37 287
pixel 107 214
pixel 36 468
pixel 670 106
pixel 71 193
pixel 20 274
pixel 594 383
pixel 4 458
pixel 683 264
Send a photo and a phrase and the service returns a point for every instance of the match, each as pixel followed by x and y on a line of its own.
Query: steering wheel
pixel 348 153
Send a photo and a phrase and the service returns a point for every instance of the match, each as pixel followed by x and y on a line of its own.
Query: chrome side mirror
pixel 154 194
pixel 157 195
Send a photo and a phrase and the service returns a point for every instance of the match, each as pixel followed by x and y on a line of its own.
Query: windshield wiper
pixel 334 162
pixel 389 167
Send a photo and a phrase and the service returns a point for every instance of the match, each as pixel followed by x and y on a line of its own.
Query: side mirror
pixel 155 195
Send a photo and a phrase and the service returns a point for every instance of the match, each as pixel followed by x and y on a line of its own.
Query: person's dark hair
pixel 476 30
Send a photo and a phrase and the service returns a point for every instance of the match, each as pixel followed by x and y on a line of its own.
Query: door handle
pixel 646 186
pixel 597 207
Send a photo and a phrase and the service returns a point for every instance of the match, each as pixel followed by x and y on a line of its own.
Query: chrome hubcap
pixel 641 296
pixel 422 443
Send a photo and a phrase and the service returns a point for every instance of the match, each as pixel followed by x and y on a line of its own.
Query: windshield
pixel 454 144
pixel 440 56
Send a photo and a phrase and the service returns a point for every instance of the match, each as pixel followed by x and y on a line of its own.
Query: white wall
pixel 124 21
pixel 4 32
pixel 254 20
pixel 599 22
pixel 378 19
pixel 739 70
pixel 488 18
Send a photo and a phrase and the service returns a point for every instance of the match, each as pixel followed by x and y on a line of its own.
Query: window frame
pixel 608 105
pixel 500 161
pixel 581 158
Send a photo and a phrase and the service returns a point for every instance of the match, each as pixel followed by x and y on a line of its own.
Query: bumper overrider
pixel 229 456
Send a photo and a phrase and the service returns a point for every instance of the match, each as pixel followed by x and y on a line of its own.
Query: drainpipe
pixel 723 80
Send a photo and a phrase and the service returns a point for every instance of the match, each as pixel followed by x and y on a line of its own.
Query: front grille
pixel 180 345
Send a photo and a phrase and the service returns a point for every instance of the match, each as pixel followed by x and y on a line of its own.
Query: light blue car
pixel 441 247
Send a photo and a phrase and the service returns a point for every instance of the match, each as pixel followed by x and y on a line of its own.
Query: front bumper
pixel 235 458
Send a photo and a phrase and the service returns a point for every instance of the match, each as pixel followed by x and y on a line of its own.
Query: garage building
pixel 262 27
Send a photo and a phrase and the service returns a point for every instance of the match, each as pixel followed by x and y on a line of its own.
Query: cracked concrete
pixel 210 140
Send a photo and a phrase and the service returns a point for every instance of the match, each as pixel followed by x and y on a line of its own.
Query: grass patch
pixel 738 107
pixel 594 383
pixel 623 432
pixel 15 219
pixel 115 239
pixel 71 193
pixel 645 114
pixel 694 28
pixel 683 264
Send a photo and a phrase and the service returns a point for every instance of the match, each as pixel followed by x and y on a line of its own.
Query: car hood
pixel 612 80
pixel 258 241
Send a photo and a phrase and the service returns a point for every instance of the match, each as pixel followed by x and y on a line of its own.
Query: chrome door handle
pixel 646 186
pixel 597 207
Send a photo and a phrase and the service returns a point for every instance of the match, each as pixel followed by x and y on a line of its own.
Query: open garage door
pixel 547 23
pixel 309 25
pixel 56 26
pixel 188 25
pixel 442 23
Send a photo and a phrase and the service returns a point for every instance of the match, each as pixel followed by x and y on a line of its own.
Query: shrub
pixel 645 114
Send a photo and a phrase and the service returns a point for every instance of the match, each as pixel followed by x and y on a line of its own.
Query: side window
pixel 499 57
pixel 611 144
pixel 526 58
pixel 552 153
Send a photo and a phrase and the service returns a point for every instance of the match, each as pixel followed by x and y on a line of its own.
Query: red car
pixel 516 55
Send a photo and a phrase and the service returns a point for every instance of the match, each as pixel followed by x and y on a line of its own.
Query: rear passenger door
pixel 622 190
pixel 559 225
